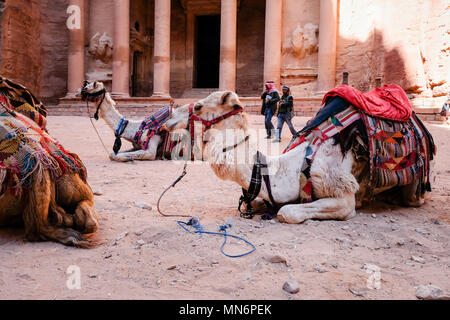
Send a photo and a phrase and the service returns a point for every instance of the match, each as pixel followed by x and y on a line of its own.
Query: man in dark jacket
pixel 270 97
pixel 445 112
pixel 285 113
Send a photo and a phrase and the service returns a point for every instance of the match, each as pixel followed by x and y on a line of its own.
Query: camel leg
pixel 35 216
pixel 75 194
pixel 411 196
pixel 326 208
pixel 149 154
pixel 59 217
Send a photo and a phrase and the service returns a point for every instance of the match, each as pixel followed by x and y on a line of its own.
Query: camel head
pixel 93 91
pixel 217 104
pixel 90 89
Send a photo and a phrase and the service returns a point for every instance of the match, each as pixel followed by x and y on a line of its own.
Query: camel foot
pixel 68 237
pixel 120 157
pixel 323 209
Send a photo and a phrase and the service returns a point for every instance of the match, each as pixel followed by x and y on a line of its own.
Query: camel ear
pixel 225 97
pixel 231 99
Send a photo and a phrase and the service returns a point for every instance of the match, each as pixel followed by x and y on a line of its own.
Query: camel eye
pixel 198 107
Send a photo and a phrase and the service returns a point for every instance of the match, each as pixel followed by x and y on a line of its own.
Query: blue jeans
pixel 282 118
pixel 268 121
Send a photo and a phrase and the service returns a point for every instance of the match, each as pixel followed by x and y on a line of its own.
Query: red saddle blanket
pixel 389 102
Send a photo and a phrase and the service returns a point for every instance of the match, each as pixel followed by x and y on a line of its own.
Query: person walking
pixel 445 111
pixel 269 97
pixel 285 113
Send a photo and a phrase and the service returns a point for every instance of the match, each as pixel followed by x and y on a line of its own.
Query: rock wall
pixel 54 40
pixel 403 42
pixel 20 44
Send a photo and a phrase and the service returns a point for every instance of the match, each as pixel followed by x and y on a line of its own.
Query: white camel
pixel 334 176
pixel 107 111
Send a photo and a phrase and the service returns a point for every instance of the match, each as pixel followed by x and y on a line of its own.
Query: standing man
pixel 445 112
pixel 270 98
pixel 285 113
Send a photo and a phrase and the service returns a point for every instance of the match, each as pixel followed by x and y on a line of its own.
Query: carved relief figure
pixel 101 47
pixel 303 41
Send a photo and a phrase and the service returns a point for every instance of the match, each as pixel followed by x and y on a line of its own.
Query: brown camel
pixel 42 186
pixel 59 209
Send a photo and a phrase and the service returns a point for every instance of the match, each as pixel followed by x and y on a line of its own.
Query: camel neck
pixel 113 117
pixel 234 162
pixel 109 112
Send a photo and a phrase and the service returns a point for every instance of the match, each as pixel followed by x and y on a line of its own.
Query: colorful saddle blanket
pixel 315 137
pixel 26 149
pixel 151 126
pixel 399 152
pixel 17 98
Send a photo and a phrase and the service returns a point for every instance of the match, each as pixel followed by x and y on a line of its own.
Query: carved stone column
pixel 161 59
pixel 327 45
pixel 272 44
pixel 228 22
pixel 121 52
pixel 76 55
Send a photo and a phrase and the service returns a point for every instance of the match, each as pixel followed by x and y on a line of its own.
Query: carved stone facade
pixel 305 44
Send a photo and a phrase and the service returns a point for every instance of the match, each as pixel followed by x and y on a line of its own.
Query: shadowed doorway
pixel 207 51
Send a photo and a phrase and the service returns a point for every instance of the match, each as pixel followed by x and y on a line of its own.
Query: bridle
pixel 93 97
pixel 207 124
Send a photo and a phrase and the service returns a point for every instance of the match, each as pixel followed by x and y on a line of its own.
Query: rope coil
pixel 195 223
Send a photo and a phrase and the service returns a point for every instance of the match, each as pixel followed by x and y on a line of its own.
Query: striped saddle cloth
pixel 399 152
pixel 151 126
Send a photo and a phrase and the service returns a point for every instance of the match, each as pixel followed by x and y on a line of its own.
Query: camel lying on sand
pixel 338 180
pixel 42 186
pixel 60 209
pixel 106 108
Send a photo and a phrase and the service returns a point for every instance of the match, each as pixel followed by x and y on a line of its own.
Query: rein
pixel 93 126
pixel 254 188
pixel 207 124
pixel 95 97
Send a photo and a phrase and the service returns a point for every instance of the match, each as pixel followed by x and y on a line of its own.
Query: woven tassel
pixel 117 145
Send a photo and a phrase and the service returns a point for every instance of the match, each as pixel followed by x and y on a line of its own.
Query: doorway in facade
pixel 207 51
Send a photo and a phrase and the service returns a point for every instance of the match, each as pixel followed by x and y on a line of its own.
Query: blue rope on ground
pixel 195 223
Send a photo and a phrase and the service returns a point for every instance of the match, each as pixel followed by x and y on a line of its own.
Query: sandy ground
pixel 147 256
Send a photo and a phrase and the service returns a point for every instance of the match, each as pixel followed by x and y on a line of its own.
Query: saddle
pixel 18 98
pixel 398 152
